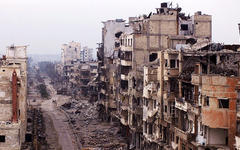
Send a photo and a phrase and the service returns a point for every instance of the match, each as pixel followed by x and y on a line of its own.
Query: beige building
pixel 167 85
pixel 13 92
pixel 70 52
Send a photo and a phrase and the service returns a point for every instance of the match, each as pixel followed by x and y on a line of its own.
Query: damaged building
pixel 166 84
pixel 13 92
pixel 77 71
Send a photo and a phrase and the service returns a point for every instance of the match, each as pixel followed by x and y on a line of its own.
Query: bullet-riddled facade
pixel 167 84
pixel 13 92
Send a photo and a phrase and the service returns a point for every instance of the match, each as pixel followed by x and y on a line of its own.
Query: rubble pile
pixel 91 131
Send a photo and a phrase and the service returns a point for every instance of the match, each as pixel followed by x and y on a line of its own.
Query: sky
pixel 45 25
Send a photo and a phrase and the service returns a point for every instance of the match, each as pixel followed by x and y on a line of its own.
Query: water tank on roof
pixel 164 5
pixel 239 27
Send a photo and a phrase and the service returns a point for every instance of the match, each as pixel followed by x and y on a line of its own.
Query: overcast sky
pixel 46 24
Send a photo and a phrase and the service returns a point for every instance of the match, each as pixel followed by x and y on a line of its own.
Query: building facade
pixel 166 84
pixel 13 93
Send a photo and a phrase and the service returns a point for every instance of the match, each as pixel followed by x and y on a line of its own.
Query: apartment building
pixel 86 54
pixel 167 84
pixel 13 93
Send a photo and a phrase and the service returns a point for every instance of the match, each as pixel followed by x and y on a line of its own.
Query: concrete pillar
pixel 180 57
pixel 218 59
pixel 239 69
pixel 208 65
pixel 161 79
pixel 14 97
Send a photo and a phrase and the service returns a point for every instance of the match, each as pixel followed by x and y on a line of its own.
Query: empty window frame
pixel 172 63
pixel 166 63
pixel 154 104
pixel 165 108
pixel 206 101
pixel 223 103
pixel 2 138
pixel 184 27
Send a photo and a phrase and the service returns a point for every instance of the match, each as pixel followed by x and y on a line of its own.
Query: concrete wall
pixel 111 27
pixel 217 136
pixel 216 87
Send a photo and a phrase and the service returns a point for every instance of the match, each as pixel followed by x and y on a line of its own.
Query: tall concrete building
pixel 86 54
pixel 13 93
pixel 70 52
pixel 167 84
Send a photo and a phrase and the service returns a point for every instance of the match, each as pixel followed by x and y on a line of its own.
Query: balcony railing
pixel 171 72
pixel 126 63
pixel 196 79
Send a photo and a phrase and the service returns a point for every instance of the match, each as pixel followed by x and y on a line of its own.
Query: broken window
pixel 150 128
pixel 134 82
pixel 184 27
pixel 2 138
pixel 118 34
pixel 153 57
pixel 154 104
pixel 172 63
pixel 172 108
pixel 145 127
pixel 166 62
pixel 173 85
pixel 165 109
pixel 238 128
pixel 172 136
pixel 28 137
pixel 138 101
pixel 223 103
pixel 183 147
pixel 206 101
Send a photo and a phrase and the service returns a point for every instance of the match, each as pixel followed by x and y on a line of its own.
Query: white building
pixel 70 52
pixel 86 54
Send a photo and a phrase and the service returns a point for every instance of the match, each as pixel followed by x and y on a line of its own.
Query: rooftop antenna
pixel 239 28
pixel 170 5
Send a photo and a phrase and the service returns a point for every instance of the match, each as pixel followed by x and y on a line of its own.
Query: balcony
pixel 150 74
pixel 124 104
pixel 196 79
pixel 103 91
pixel 102 78
pixel 126 63
pixel 112 104
pixel 138 109
pixel 182 105
pixel 124 117
pixel 169 96
pixel 148 113
pixel 124 77
pixel 194 109
pixel 150 90
pixel 152 138
pixel 171 72
pixel 183 135
pixel 126 48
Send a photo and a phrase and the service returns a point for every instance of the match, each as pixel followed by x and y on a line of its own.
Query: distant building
pixel 86 54
pixel 70 52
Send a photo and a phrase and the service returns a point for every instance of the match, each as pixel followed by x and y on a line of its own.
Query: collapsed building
pixel 76 70
pixel 13 92
pixel 167 84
